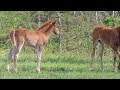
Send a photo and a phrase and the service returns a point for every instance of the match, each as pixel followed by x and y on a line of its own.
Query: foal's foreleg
pixel 101 55
pixel 117 53
pixel 114 61
pixel 39 54
pixel 118 60
pixel 17 51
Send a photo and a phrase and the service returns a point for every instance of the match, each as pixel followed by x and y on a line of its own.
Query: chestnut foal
pixel 36 39
pixel 110 37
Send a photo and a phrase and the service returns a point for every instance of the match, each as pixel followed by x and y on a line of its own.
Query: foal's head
pixel 49 25
pixel 55 29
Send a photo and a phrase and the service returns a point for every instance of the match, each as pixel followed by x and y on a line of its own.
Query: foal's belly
pixel 31 43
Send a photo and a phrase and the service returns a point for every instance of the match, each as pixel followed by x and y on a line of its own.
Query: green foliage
pixel 76 27
pixel 111 21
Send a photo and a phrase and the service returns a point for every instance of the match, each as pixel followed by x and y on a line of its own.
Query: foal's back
pixel 18 34
pixel 105 35
pixel 28 37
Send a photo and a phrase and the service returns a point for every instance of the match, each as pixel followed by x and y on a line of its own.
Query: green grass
pixel 57 66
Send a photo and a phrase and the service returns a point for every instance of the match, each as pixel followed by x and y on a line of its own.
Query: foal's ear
pixel 54 23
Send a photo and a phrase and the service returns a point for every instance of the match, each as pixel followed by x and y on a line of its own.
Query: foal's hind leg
pixel 116 51
pixel 95 43
pixel 17 51
pixel 12 51
pixel 114 62
pixel 119 59
pixel 101 54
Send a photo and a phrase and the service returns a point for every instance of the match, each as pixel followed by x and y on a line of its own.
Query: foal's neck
pixel 48 33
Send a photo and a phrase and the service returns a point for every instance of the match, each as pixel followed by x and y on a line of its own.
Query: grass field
pixel 57 66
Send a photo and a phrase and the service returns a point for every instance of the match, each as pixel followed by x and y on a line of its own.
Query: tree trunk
pixel 97 16
pixel 113 13
pixel 67 42
pixel 48 15
pixel 39 18
pixel 81 13
pixel 59 20
pixel 74 13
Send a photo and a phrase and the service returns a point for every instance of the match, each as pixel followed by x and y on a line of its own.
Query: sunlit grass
pixel 57 66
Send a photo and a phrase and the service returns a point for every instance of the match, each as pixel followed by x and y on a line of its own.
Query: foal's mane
pixel 50 26
pixel 117 28
pixel 44 25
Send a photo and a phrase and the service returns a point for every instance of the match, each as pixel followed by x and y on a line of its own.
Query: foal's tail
pixel 12 37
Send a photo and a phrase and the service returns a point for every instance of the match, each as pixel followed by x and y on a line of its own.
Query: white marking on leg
pixel 17 51
pixel 39 54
